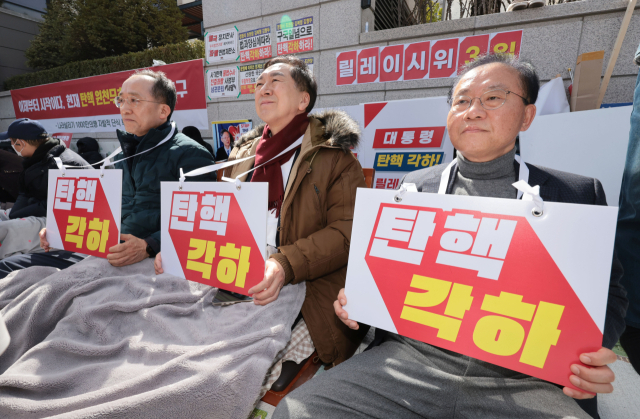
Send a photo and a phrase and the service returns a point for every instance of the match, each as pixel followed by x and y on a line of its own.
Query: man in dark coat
pixel 194 134
pixel 31 141
pixel 224 151
pixel 10 169
pixel 491 103
pixel 89 149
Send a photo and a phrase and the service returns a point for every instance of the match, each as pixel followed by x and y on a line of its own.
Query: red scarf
pixel 268 148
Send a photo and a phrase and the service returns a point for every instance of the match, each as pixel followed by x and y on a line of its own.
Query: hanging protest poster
pixel 255 44
pixel 248 75
pixel 223 82
pixel 402 136
pixel 347 62
pixel 226 133
pixel 215 233
pixel 484 277
pixel 86 105
pixel 309 63
pixel 368 61
pixel 294 36
pixel 221 46
pixel 83 210
pixel 420 60
pixel 65 137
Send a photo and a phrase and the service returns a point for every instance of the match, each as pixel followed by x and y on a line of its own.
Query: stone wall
pixel 553 38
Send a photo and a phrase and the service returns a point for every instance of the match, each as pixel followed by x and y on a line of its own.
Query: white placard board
pixel 207 226
pixel 84 208
pixel 498 256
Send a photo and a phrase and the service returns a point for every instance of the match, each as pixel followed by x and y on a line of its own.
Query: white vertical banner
pixel 223 82
pixel 221 46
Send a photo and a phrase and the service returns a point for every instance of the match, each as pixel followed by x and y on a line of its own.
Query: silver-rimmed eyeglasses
pixel 490 100
pixel 132 102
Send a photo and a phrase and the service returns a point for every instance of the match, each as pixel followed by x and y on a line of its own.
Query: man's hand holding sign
pixel 521 284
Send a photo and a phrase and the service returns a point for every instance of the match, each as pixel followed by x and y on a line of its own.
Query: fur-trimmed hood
pixel 339 130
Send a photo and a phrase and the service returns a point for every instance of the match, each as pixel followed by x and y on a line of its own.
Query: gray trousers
pixel 404 378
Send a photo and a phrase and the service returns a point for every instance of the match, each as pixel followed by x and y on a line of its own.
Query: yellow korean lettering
pixel 97 238
pixel 474 51
pixel 78 224
pixel 243 266
pixel 498 335
pixel 383 160
pixel 543 334
pixel 226 272
pixel 198 249
pixel 437 291
pixel 448 328
pixel 459 301
pixel 510 305
pixel 396 160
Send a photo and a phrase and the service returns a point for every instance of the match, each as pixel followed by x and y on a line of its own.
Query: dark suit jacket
pixel 555 186
pixel 221 154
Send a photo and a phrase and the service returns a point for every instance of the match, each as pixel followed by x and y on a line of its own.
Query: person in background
pixel 628 232
pixel 5 143
pixel 10 169
pixel 225 150
pixel 89 149
pixel 194 134
pixel 30 141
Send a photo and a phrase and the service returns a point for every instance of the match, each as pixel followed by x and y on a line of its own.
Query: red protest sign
pixel 367 64
pixel 444 56
pixel 494 283
pixel 210 234
pixel 470 48
pixel 82 214
pixel 506 43
pixel 425 137
pixel 416 60
pixel 65 137
pixel 391 62
pixel 346 63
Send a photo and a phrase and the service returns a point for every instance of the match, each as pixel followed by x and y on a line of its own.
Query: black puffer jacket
pixel 34 180
pixel 89 149
pixel 10 169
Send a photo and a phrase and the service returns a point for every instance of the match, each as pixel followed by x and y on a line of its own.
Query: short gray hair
pixel 163 89
pixel 527 72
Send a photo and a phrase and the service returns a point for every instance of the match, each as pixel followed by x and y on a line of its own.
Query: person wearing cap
pixel 19 234
pixel 30 141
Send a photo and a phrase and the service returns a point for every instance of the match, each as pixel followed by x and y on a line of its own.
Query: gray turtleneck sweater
pixel 492 179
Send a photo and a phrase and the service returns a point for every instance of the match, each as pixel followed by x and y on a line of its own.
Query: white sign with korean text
pixel 402 136
pixel 84 210
pixel 484 277
pixel 215 233
pixel 221 46
pixel 223 82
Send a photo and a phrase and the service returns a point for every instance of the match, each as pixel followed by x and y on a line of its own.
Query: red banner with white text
pixel 87 104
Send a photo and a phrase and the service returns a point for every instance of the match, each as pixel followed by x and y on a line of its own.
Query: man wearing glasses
pixel 155 152
pixel 492 101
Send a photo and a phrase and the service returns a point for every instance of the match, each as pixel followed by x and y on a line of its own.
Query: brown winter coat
pixel 315 223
